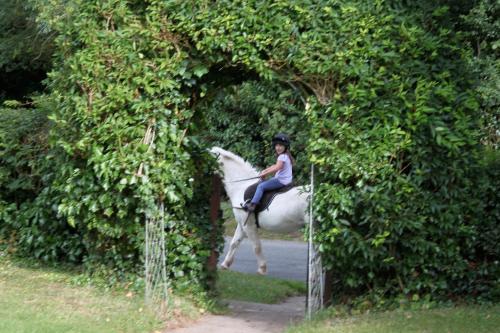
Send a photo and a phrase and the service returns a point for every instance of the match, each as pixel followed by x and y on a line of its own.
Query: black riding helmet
pixel 281 138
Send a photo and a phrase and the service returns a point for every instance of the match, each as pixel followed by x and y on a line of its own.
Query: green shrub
pixel 394 132
pixel 110 84
pixel 29 218
pixel 399 201
pixel 25 50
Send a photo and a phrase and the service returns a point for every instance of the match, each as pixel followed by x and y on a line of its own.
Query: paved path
pixel 246 317
pixel 285 259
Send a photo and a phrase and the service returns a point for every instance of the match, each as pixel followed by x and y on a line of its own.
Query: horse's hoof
pixel 262 271
pixel 224 266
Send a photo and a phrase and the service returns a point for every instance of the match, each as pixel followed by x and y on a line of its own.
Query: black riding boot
pixel 251 207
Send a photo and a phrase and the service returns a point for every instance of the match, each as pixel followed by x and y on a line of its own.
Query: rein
pixel 242 180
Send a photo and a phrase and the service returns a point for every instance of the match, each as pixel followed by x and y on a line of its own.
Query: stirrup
pixel 244 205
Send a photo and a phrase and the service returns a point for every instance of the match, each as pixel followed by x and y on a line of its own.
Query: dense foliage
pixel 482 32
pixel 30 225
pixel 380 96
pixel 394 134
pixel 116 78
pixel 400 168
pixel 25 50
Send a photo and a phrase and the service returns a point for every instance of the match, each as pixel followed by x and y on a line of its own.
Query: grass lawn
pixel 256 288
pixel 461 319
pixel 41 299
pixel 36 298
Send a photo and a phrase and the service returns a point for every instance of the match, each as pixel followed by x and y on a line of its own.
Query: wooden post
pixel 328 292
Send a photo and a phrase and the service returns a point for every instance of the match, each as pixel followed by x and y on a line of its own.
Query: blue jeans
pixel 267 185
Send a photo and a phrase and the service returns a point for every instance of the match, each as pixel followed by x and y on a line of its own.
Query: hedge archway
pixel 392 130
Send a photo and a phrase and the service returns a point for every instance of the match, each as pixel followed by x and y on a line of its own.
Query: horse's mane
pixel 233 156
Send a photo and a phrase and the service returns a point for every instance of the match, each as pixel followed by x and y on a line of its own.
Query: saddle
pixel 266 200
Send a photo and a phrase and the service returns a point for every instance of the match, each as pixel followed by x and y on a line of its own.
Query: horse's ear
pixel 214 151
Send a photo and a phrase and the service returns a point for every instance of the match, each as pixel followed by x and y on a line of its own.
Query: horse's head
pixel 232 165
pixel 224 157
pixel 216 152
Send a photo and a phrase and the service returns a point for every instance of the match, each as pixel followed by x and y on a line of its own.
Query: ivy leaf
pixel 200 70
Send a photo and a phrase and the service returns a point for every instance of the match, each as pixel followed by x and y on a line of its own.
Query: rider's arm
pixel 273 168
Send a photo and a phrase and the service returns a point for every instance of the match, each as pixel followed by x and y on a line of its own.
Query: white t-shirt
pixel 285 174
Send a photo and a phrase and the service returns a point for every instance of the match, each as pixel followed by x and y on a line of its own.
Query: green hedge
pixel 113 79
pixel 25 50
pixel 405 202
pixel 400 200
pixel 394 133
pixel 30 226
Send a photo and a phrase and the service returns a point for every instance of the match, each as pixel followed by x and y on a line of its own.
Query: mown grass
pixel 43 299
pixel 37 299
pixel 255 288
pixel 460 319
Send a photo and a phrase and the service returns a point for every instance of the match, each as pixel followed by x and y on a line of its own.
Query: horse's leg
pixel 238 236
pixel 251 231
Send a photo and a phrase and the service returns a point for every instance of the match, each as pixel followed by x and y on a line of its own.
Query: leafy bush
pixel 481 31
pixel 121 74
pixel 398 164
pixel 25 50
pixel 98 176
pixel 394 132
pixel 29 218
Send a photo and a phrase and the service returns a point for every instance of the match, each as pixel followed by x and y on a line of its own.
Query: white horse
pixel 287 212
